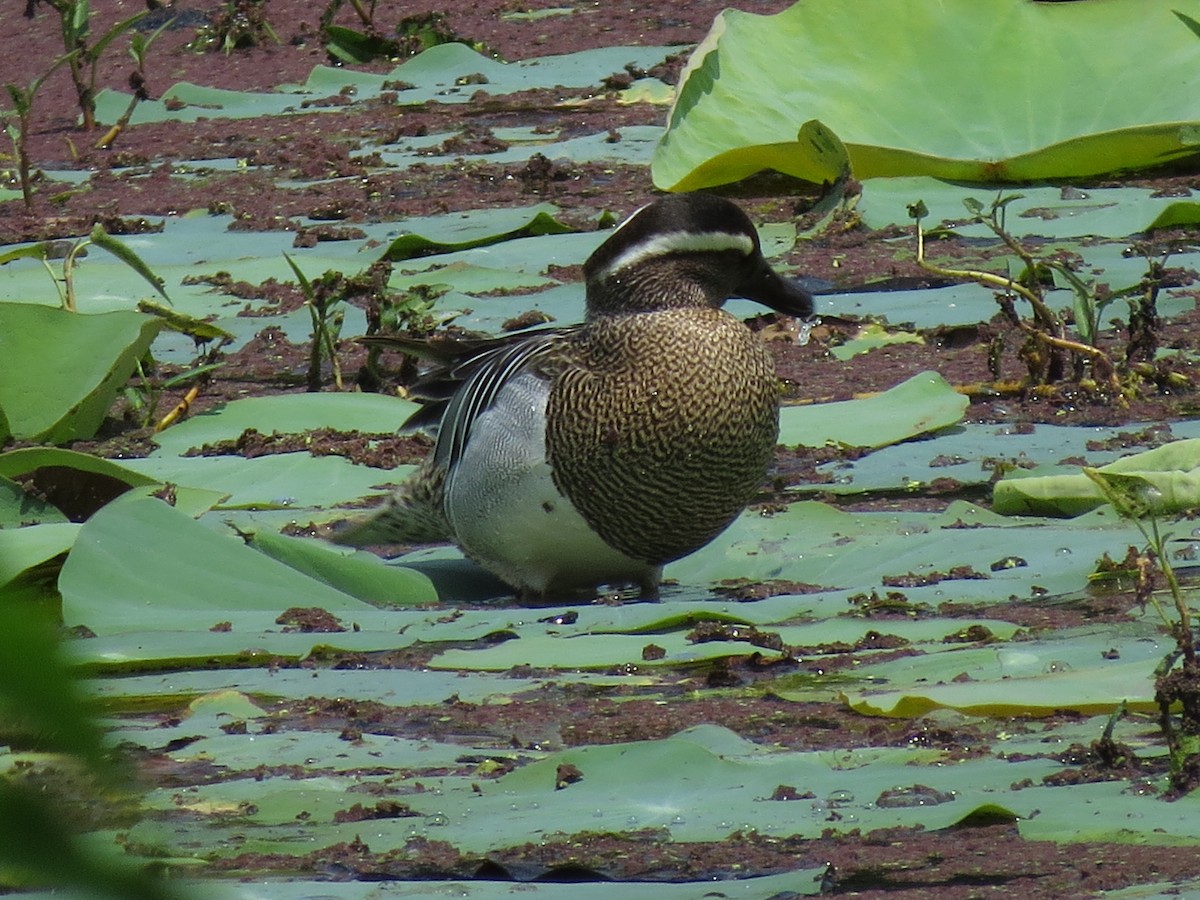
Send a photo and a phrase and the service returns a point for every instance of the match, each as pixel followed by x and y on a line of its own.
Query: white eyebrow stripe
pixel 679 242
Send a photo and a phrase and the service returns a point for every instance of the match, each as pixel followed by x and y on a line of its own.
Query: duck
pixel 573 460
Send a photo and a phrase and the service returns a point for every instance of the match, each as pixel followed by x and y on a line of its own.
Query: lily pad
pixel 924 403
pixel 287 414
pixel 446 73
pixel 872 336
pixel 1172 473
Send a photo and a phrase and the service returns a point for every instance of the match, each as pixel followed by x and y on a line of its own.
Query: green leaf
pixel 85 482
pixel 886 83
pixel 117 29
pixel 355 47
pixel 923 403
pixel 1180 214
pixel 121 251
pixel 36 692
pixel 19 508
pixel 410 246
pixel 40 845
pixel 28 251
pixel 360 575
pixel 197 329
pixel 871 336
pixel 1132 496
pixel 63 370
pixel 1162 481
pixel 24 549
pixel 287 414
pixel 139 563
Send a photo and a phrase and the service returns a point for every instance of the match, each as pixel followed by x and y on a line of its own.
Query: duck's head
pixel 686 250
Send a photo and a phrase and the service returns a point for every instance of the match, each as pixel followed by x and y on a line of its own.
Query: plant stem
pixel 1101 364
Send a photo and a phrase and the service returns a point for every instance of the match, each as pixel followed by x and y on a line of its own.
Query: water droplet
pixel 632 821
pixel 838 798
pixel 597 814
pixel 678 820
pixel 1055 666
pixel 437 819
pixel 806 327
pixel 1063 551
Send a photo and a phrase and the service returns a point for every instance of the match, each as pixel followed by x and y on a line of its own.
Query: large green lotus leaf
pixel 923 403
pixel 200 638
pixel 1085 692
pixel 956 304
pixel 287 414
pixel 470 279
pixel 240 752
pixel 1179 213
pixel 887 79
pixel 1173 471
pixel 140 564
pixel 29 459
pixel 63 370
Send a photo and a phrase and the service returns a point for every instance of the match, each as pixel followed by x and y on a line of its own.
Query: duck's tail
pixel 413 514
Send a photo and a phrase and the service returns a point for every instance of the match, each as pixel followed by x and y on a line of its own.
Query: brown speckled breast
pixel 661 429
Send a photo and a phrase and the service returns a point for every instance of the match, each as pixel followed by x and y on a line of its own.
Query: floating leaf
pixel 138 562
pixel 872 336
pixel 360 575
pixel 410 246
pixel 1166 480
pixel 923 403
